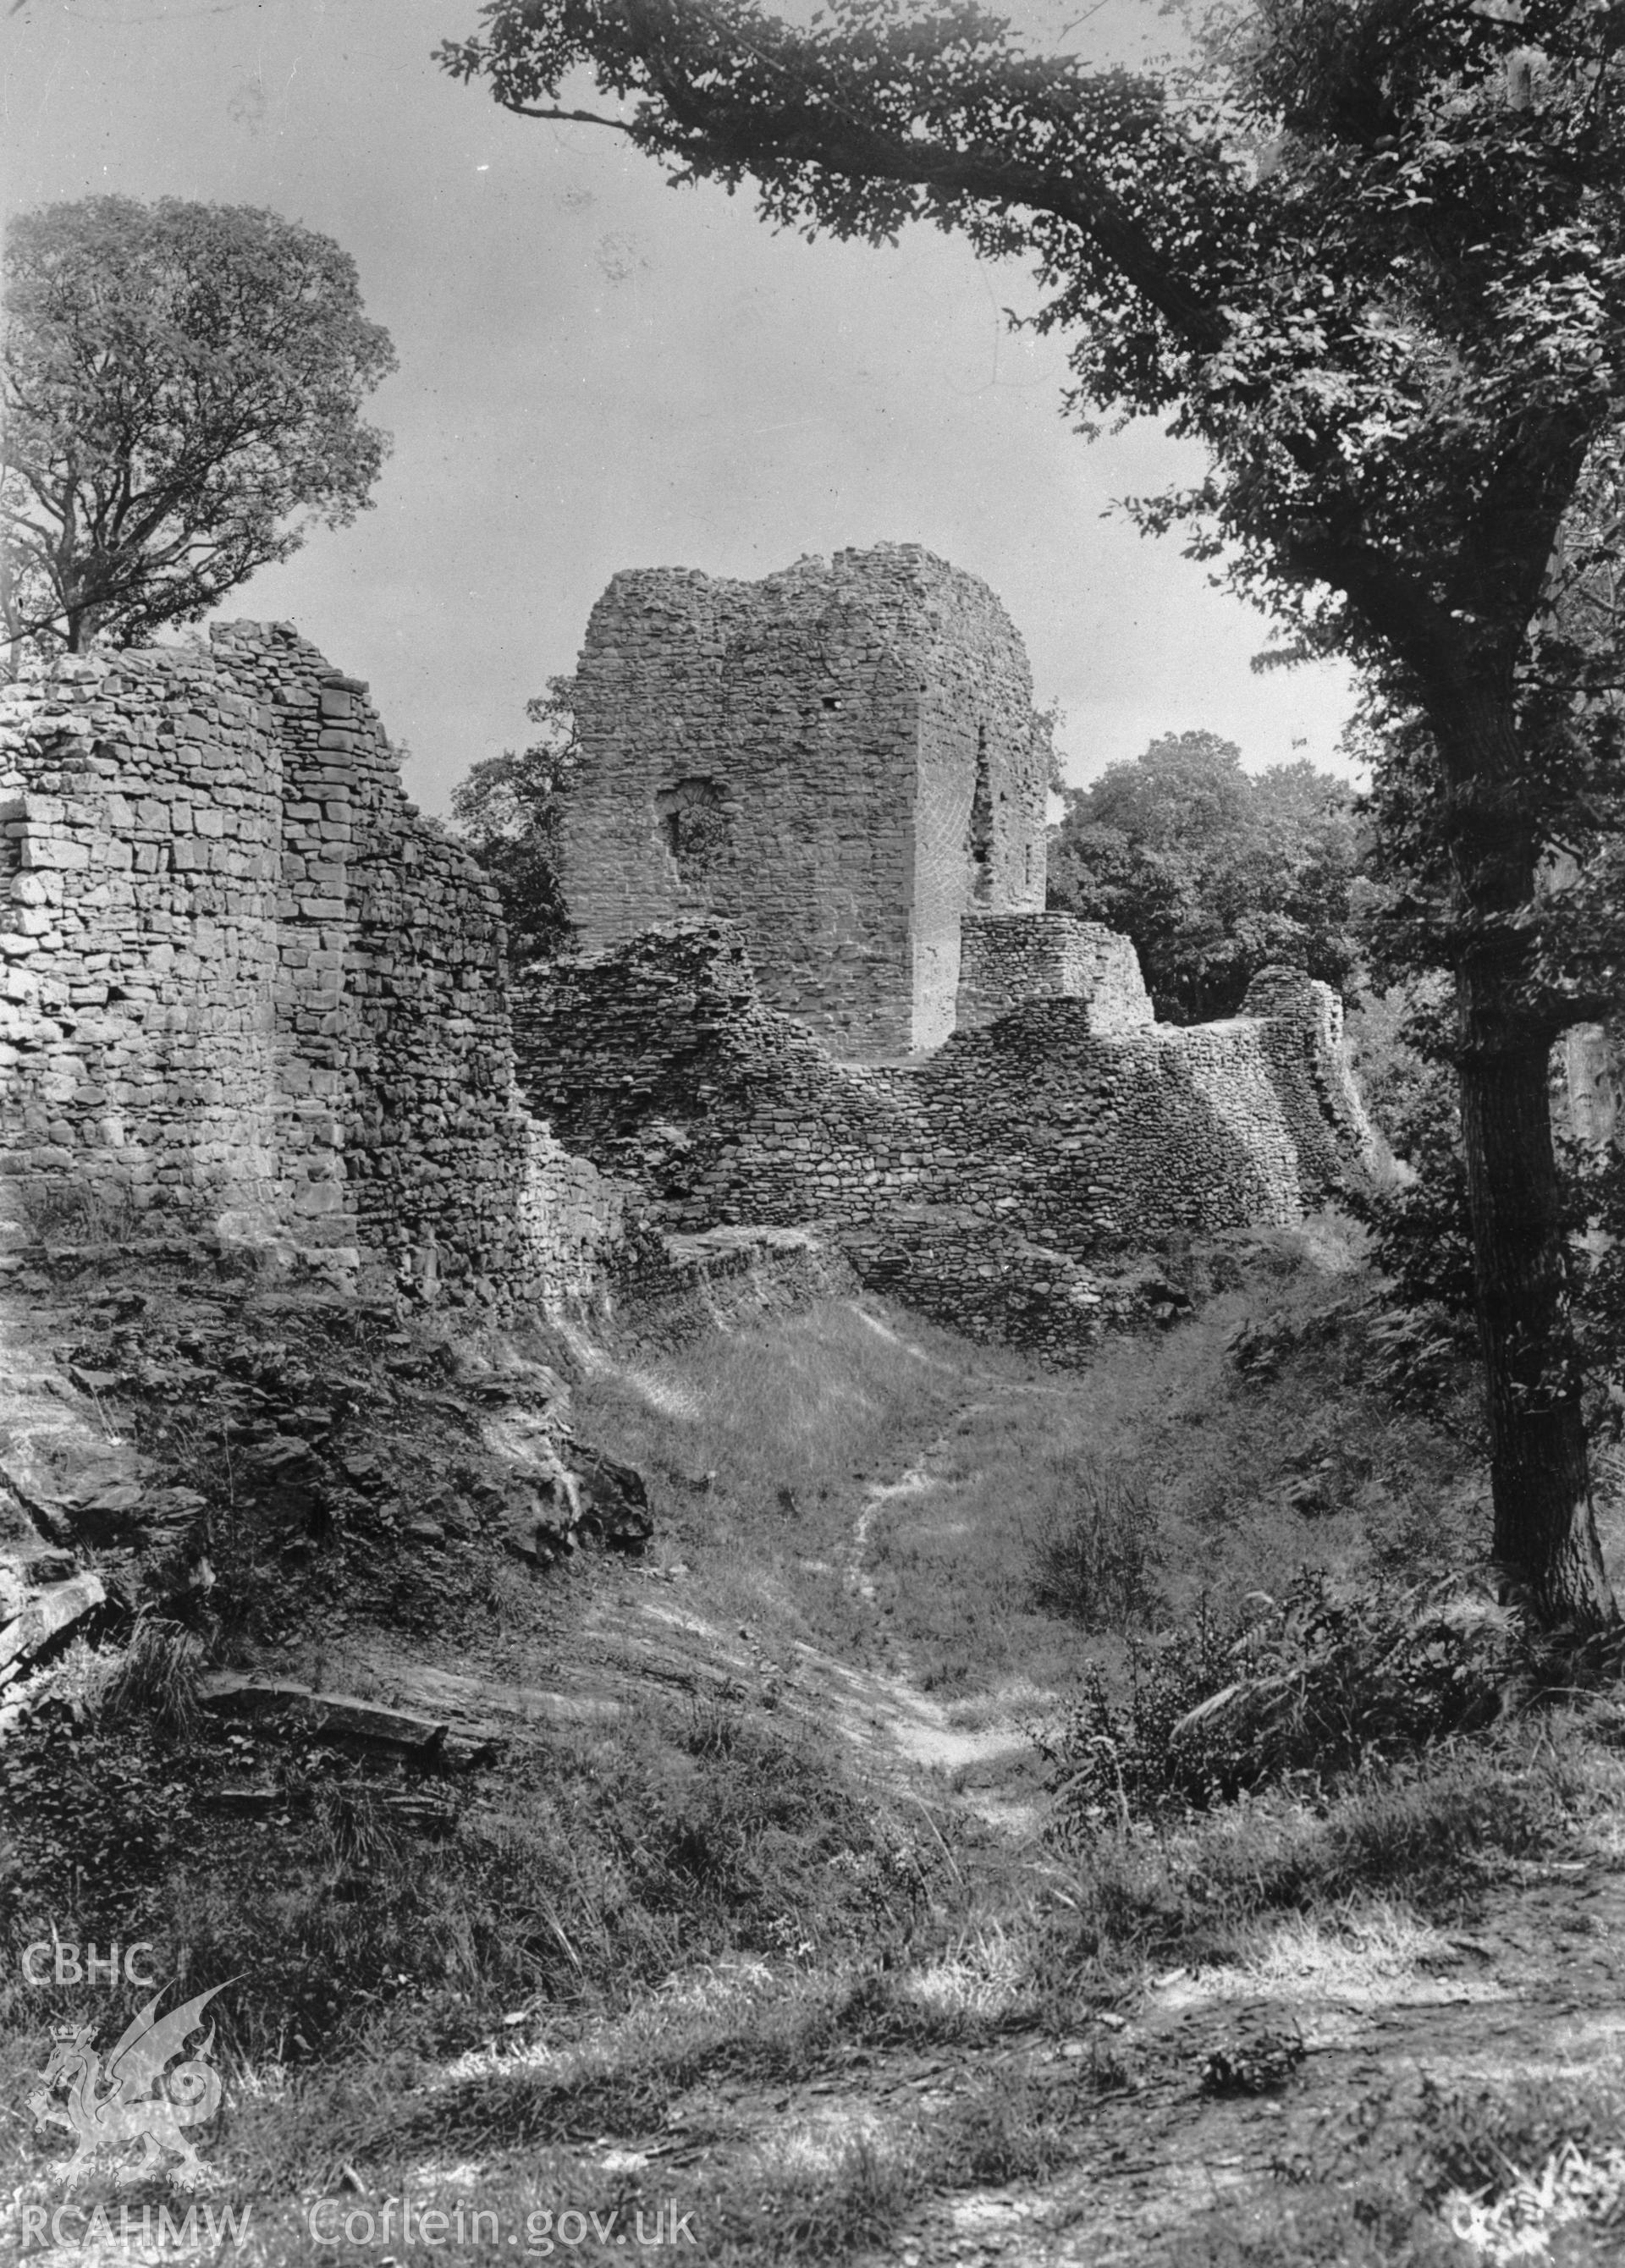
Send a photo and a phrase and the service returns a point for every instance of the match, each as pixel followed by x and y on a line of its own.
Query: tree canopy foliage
pixel 182 385
pixel 509 808
pixel 1370 254
pixel 1214 872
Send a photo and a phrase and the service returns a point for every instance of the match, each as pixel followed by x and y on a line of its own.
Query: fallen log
pixel 346 1720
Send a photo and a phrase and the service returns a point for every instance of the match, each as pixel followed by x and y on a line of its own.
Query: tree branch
pixel 569 117
pixel 861 153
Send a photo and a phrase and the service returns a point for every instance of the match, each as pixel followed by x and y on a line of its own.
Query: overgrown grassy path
pixel 762 1924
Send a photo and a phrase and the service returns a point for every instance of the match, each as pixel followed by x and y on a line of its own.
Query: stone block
pixel 65 853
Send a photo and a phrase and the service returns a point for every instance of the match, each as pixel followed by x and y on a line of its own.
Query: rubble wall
pixel 1005 959
pixel 140 809
pixel 843 758
pixel 249 985
pixel 395 1058
pixel 574 1224
pixel 999 1180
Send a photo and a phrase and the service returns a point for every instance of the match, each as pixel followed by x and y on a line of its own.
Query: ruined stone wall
pixel 140 808
pixel 983 779
pixel 574 1224
pixel 1005 959
pixel 245 985
pixel 842 757
pixel 248 984
pixel 996 1182
pixel 1330 1127
pixel 394 1058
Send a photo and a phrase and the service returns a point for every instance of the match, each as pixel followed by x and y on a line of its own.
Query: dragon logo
pixel 131 2100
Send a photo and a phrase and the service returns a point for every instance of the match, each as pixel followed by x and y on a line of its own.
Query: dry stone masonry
pixel 1005 959
pixel 1000 1182
pixel 247 988
pixel 141 818
pixel 815 983
pixel 843 758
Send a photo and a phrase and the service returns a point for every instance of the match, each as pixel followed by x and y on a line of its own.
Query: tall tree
pixel 182 385
pixel 1371 254
pixel 1213 872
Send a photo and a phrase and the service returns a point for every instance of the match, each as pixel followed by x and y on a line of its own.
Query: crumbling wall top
pixel 842 757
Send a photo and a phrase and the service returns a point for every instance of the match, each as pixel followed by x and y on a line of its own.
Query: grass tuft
pixel 160 1676
pixel 1003 2132
pixel 1094 1553
pixel 814 2201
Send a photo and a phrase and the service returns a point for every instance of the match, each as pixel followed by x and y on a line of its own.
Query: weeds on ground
pixel 1094 1553
pixel 1003 2131
pixel 1433 2177
pixel 1395 1845
pixel 1111 1501
pixel 818 2205
pixel 610 1860
pixel 1262 1435
pixel 1330 1752
pixel 758 1448
pixel 160 1673
pixel 1306 1688
pixel 621 1919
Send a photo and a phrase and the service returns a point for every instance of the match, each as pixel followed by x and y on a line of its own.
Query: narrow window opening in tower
pixel 981 829
pixel 695 826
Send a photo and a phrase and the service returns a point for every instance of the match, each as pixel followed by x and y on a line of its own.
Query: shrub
pixel 1314 1684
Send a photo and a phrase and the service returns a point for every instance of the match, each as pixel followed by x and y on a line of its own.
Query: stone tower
pixel 842 758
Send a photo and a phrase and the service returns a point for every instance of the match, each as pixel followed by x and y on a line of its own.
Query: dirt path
pixel 1535 1987
pixel 919 1725
pixel 1535 1992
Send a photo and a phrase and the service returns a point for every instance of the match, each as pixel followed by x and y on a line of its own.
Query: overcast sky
pixel 598 372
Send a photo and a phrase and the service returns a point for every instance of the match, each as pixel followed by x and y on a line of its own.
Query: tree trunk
pixel 1545 1534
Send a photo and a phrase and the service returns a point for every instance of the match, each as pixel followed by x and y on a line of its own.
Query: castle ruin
pixel 245 988
pixel 843 759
